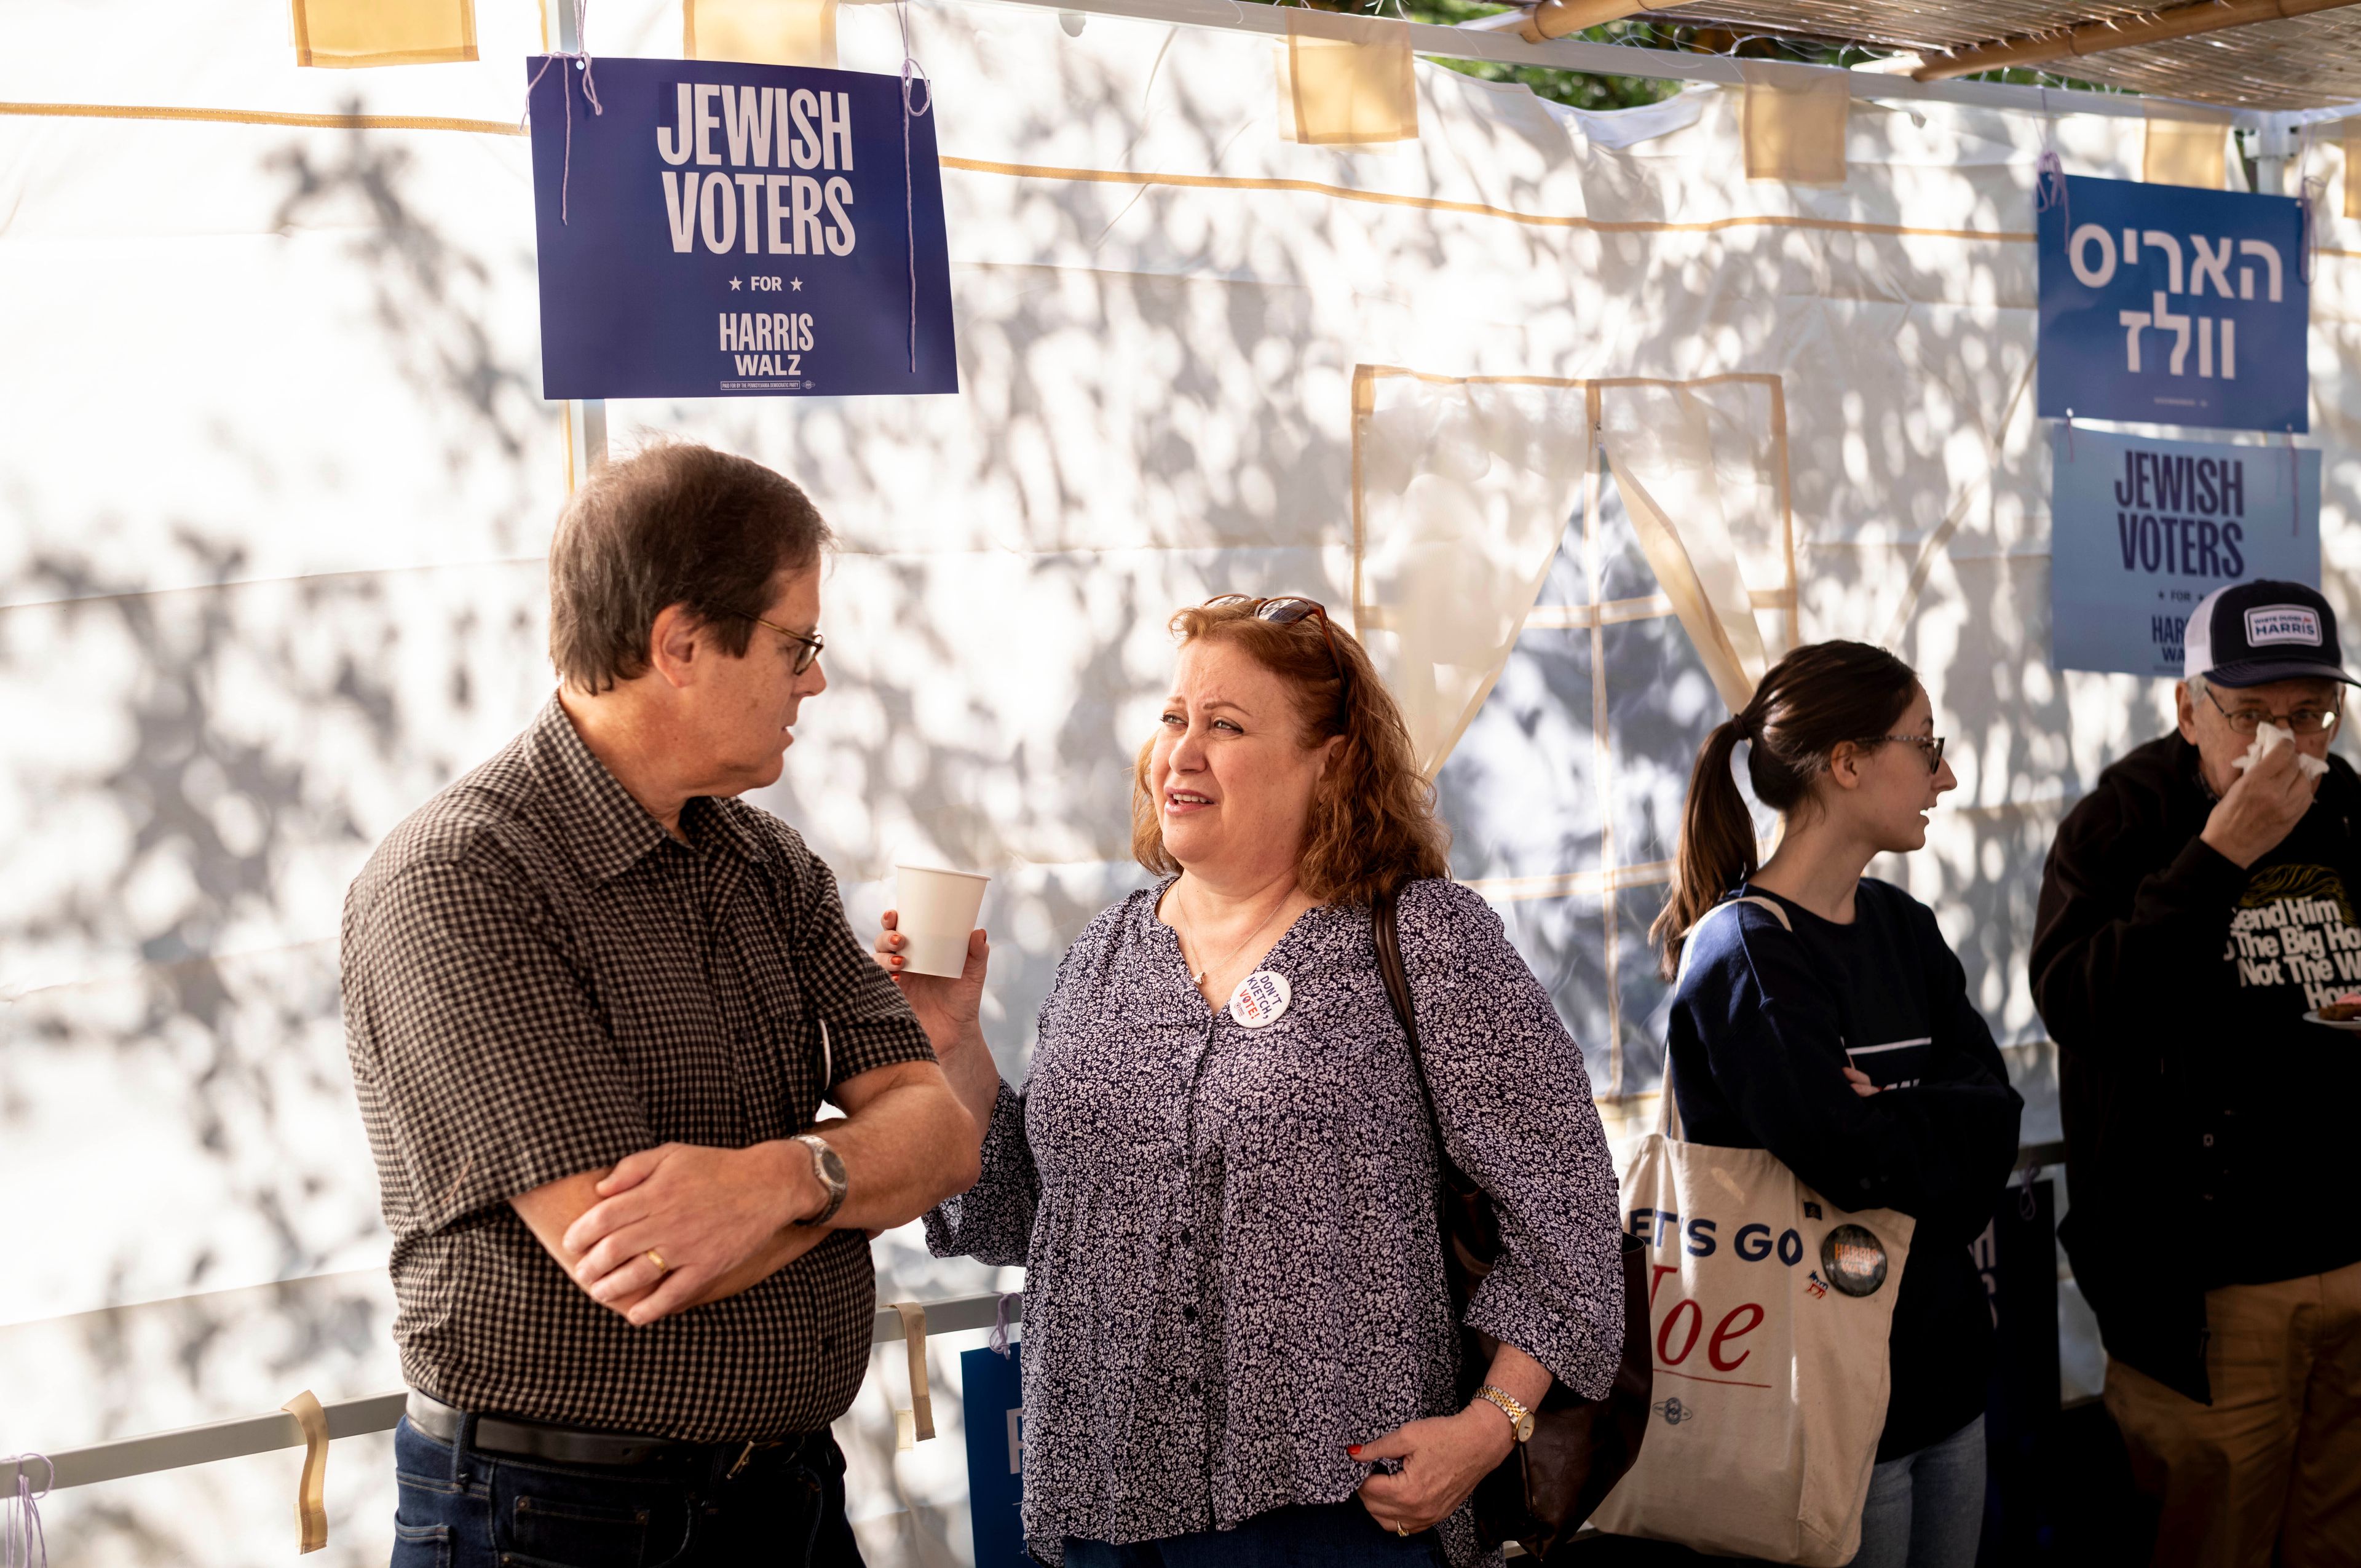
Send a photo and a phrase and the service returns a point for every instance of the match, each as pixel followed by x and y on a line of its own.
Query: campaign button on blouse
pixel 1260 999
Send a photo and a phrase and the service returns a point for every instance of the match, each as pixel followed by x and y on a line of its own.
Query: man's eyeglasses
pixel 1930 744
pixel 808 649
pixel 2306 720
pixel 1286 610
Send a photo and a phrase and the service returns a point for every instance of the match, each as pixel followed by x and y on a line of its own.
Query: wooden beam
pixel 1557 18
pixel 2096 37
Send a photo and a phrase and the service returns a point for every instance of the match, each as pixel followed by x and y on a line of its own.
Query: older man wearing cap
pixel 2198 908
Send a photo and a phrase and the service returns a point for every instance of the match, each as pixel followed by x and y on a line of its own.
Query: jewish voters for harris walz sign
pixel 2143 529
pixel 2163 305
pixel 709 229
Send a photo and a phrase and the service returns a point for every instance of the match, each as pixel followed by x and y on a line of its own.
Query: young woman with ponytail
pixel 1843 1040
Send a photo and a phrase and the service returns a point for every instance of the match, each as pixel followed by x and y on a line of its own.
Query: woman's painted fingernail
pixel 1354 1449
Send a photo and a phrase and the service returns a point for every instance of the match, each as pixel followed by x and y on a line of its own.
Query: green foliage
pixel 1583 90
pixel 1577 88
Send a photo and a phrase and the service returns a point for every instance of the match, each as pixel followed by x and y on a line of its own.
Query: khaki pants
pixel 2276 1459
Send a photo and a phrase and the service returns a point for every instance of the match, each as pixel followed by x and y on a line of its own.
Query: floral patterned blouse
pixel 1230 1234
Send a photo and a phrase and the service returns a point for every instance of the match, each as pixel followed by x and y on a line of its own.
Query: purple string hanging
pixel 2049 172
pixel 22 1542
pixel 2310 191
pixel 2306 207
pixel 914 75
pixel 580 56
pixel 2295 497
pixel 2049 187
pixel 999 1337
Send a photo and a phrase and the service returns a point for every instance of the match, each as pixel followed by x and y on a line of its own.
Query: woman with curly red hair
pixel 1240 1346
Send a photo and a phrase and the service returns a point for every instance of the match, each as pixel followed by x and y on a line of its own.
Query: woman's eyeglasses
pixel 1286 610
pixel 2302 720
pixel 808 649
pixel 1930 744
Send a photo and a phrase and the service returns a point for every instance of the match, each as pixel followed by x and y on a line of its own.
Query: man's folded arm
pixel 549 1211
pixel 721 1221
pixel 907 1143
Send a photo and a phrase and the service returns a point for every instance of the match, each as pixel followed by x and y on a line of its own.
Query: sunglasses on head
pixel 1286 610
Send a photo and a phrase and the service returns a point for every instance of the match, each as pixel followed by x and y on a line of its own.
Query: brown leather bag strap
pixel 1385 931
pixel 1470 1228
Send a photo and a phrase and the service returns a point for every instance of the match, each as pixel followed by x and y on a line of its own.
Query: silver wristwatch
pixel 828 1169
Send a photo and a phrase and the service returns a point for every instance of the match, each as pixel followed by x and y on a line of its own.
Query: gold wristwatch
pixel 1520 1419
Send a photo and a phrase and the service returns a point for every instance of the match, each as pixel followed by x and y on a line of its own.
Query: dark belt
pixel 568 1445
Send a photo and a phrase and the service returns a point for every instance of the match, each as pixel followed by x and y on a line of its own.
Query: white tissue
pixel 2270 737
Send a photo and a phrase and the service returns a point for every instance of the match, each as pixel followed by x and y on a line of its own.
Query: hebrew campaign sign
pixel 718 230
pixel 2164 304
pixel 2141 529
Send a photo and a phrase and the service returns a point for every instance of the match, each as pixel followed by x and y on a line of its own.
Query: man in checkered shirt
pixel 593 1003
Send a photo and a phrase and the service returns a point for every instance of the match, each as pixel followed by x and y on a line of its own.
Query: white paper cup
pixel 935 910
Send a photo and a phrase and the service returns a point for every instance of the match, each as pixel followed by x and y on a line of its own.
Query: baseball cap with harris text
pixel 2251 634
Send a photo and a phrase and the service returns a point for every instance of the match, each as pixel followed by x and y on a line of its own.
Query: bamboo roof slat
pixel 2302 62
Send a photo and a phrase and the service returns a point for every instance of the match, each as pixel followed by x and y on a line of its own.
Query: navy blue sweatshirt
pixel 2208 1126
pixel 1764 1022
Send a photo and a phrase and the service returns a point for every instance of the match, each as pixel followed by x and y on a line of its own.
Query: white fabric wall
pixel 276 482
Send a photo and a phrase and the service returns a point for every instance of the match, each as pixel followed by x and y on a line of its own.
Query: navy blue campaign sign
pixel 993 1397
pixel 724 230
pixel 2141 529
pixel 2165 305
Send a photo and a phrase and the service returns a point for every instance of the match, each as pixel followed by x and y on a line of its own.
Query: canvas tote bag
pixel 1770 1309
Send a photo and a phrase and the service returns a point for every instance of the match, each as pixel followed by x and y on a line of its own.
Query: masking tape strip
pixel 453 54
pixel 265 117
pixel 922 1404
pixel 1474 209
pixel 312 1494
pixel 1088 176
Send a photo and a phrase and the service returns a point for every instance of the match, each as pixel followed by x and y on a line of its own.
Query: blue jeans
pixel 461 1508
pixel 1926 1509
pixel 1324 1535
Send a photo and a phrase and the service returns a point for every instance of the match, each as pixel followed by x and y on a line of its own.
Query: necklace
pixel 1198 978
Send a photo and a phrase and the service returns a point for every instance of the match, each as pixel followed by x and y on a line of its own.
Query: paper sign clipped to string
pixel 2349 144
pixel 2180 151
pixel 762 32
pixel 1794 122
pixel 1345 81
pixel 713 229
pixel 347 33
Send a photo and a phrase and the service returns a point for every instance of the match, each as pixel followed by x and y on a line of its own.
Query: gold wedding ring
pixel 657 1258
pixel 1400 1530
